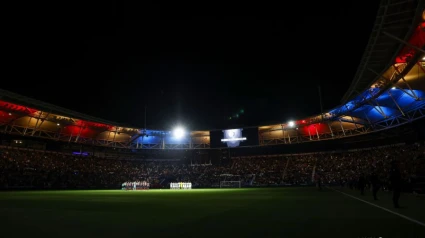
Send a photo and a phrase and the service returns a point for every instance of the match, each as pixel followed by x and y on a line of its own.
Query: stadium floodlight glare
pixel 178 132
pixel 291 123
pixel 233 139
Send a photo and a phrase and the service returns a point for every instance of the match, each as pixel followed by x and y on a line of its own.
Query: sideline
pixel 383 208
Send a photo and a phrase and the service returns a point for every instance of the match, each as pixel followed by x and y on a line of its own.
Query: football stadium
pixel 357 170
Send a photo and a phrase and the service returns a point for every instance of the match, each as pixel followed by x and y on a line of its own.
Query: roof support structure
pixel 395 102
pixel 389 82
pixel 387 123
pixel 396 77
pixel 379 109
pixel 43 119
pixel 342 127
pixel 403 42
pixel 395 23
pixel 408 85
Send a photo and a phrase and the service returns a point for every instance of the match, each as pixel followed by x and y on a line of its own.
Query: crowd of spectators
pixel 23 168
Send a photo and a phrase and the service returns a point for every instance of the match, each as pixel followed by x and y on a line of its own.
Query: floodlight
pixel 178 132
pixel 291 123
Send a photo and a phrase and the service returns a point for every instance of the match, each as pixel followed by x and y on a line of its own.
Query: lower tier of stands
pixel 23 168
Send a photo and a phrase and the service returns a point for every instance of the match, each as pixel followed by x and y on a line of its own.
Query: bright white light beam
pixel 178 132
pixel 291 124
pixel 233 139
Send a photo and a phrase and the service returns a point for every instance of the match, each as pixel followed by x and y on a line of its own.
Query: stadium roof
pixel 395 22
pixel 51 108
pixel 388 91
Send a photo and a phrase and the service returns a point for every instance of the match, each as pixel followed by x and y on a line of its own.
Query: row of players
pixel 144 185
pixel 180 185
pixel 136 185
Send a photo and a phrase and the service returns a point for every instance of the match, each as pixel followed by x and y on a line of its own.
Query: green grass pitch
pixel 276 212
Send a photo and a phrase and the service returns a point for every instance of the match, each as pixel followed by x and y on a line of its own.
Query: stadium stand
pixel 386 94
pixel 380 119
pixel 28 168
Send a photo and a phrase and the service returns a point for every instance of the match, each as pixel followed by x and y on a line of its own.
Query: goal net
pixel 230 181
pixel 230 184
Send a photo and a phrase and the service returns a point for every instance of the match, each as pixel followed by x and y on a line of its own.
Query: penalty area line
pixel 383 208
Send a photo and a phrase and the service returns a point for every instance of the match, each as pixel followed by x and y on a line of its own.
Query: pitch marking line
pixel 383 208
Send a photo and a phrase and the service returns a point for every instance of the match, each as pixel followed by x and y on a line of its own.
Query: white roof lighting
pixel 291 123
pixel 178 132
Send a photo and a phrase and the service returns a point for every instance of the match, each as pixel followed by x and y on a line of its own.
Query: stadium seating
pixel 23 168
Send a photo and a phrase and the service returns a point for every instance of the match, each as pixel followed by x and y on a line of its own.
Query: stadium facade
pixel 388 91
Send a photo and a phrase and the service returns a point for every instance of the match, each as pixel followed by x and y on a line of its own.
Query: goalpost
pixel 230 181
pixel 230 184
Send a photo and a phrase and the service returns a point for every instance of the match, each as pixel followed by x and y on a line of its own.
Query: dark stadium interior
pixel 305 119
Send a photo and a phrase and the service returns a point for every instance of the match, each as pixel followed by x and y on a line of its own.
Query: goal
pixel 230 184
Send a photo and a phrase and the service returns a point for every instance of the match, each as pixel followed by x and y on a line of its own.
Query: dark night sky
pixel 194 65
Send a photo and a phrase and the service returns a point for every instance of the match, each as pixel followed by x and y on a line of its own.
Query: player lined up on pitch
pixel 181 185
pixel 136 185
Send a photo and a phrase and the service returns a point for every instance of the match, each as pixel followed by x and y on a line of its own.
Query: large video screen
pixel 234 137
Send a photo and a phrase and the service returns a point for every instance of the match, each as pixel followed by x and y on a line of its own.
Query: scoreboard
pixel 231 138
